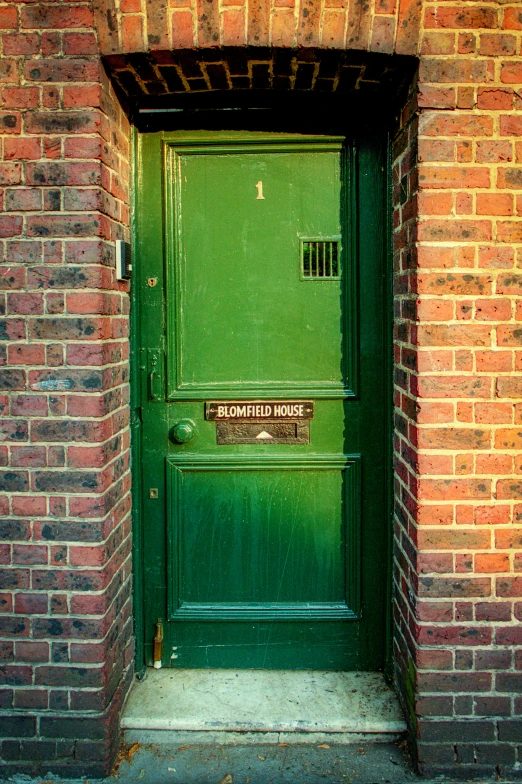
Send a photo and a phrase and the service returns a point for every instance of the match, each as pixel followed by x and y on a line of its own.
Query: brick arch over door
pixel 388 26
pixel 191 77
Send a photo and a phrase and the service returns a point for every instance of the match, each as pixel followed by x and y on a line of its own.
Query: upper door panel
pixel 256 273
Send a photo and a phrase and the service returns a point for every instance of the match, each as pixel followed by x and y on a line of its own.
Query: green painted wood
pixel 263 555
pixel 232 260
pixel 266 523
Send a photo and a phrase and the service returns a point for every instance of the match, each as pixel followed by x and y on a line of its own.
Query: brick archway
pixel 390 26
pixel 190 78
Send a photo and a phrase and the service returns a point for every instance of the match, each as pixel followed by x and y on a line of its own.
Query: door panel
pixel 263 554
pixel 248 534
pixel 243 320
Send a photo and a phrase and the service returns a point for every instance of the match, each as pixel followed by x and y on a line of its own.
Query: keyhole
pixel 259 186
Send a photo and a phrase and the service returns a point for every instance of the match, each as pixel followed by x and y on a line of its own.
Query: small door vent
pixel 320 259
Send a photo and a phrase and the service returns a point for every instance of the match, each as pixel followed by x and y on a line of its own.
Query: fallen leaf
pixel 247 780
pixel 132 751
pixel 260 757
pixel 323 746
pixel 183 748
pixel 282 744
pixel 227 779
pixel 141 774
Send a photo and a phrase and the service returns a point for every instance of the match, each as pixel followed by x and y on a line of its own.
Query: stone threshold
pixel 284 705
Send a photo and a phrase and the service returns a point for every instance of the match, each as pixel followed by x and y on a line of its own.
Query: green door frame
pixel 135 402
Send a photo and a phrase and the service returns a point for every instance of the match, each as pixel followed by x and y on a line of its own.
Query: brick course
pixel 65 637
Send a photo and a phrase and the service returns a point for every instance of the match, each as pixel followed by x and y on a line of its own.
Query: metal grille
pixel 320 259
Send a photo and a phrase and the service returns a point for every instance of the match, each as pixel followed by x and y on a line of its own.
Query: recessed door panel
pixel 264 539
pixel 242 316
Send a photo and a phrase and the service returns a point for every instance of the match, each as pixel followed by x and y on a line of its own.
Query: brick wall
pixel 65 625
pixel 458 246
pixel 143 25
pixel 458 235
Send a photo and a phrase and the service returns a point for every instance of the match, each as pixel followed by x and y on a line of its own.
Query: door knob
pixel 183 431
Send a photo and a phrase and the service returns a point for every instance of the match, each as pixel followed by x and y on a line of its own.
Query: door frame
pixel 138 565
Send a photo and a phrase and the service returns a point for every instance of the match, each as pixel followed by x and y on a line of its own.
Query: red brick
pixel 494 362
pixel 438 43
pixel 8 18
pixel 453 335
pixel 22 148
pixel 408 26
pixel 453 438
pixel 457 17
pixel 454 489
pixel 497 44
pixel 10 173
pixel 182 29
pixel 509 336
pixel 10 225
pixel 234 32
pixel 455 635
pixel 494 151
pixel 453 387
pixel 67 16
pixel 447 539
pixel 29 651
pixel 332 33
pixel 509 586
pixel 493 309
pixel 512 19
pixel 507 539
pixel 510 125
pixel 81 96
pixel 29 505
pixel 494 203
pixel 495 98
pixel 453 177
pixel 20 44
pixel 64 225
pixel 456 124
pixel 491 562
pixel 511 73
pixel 131 33
pixel 29 405
pixel 453 283
pixel 33 603
pixel 80 43
pixel 20 97
pixel 28 456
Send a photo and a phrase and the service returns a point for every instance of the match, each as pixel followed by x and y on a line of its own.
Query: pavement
pixel 257 763
pixel 379 763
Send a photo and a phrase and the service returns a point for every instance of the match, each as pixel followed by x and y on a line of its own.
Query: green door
pixel 263 392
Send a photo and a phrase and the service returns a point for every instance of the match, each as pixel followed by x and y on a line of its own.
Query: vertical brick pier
pixel 65 583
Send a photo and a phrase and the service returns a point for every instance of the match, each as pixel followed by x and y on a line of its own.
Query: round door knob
pixel 183 431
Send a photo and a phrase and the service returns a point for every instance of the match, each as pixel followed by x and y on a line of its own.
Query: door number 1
pixel 259 186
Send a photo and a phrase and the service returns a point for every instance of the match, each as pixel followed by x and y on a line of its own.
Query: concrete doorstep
pixel 260 727
pixel 265 701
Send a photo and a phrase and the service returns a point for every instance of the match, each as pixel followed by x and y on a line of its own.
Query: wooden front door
pixel 263 398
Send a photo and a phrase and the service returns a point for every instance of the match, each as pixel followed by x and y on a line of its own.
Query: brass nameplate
pixel 256 410
pixel 263 432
